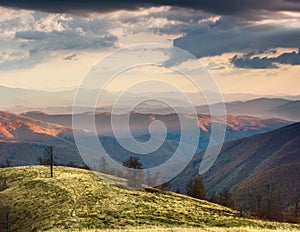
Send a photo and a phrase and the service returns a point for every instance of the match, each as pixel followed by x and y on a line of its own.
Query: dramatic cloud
pixel 38 34
pixel 29 38
pixel 248 61
pixel 203 28
pixel 212 42
pixel 214 6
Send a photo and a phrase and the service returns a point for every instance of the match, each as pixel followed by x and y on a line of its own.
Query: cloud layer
pixel 29 38
pixel 203 28
pixel 216 41
pixel 227 7
pixel 255 62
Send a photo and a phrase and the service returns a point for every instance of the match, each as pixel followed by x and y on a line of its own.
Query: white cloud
pixel 202 34
pixel 12 55
pixel 28 38
pixel 52 22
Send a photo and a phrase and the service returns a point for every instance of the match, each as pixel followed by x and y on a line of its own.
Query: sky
pixel 249 46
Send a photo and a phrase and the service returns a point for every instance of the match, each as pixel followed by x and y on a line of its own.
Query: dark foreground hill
pixel 79 199
pixel 259 171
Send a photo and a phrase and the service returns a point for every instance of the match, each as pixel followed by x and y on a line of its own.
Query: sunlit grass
pixel 81 200
pixel 182 229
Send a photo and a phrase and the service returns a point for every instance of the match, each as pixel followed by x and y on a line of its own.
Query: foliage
pixel 135 175
pixel 133 162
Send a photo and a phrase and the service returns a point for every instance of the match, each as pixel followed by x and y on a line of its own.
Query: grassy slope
pixel 80 199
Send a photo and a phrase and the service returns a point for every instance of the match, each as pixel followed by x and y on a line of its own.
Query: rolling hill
pixel 77 199
pixel 251 156
pixel 252 163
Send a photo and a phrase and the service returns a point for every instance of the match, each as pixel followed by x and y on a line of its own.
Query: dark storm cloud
pixel 214 6
pixel 215 41
pixel 248 61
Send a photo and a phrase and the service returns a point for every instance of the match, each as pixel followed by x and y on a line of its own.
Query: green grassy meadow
pixel 80 200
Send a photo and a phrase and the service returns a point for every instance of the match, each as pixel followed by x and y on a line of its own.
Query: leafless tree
pixel 49 150
pixel 195 188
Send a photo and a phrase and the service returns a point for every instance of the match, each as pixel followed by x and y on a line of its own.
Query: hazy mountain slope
pixel 237 126
pixel 26 97
pixel 16 128
pixel 79 199
pixel 246 158
pixel 243 158
pixel 22 153
pixel 281 181
pixel 257 106
pixel 22 129
pixel 290 111
pixel 23 141
pixel 15 99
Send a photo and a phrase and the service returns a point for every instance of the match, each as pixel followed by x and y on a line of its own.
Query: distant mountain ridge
pixel 262 107
pixel 289 110
pixel 19 100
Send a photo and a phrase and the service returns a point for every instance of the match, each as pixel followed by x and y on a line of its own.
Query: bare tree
pixel 258 199
pixel 269 199
pixel 195 188
pixel 49 150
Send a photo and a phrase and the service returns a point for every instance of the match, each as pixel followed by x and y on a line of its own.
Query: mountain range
pixel 17 100
pixel 34 129
pixel 259 155
pixel 262 107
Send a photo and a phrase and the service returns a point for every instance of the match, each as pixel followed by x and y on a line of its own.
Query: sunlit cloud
pixel 35 40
